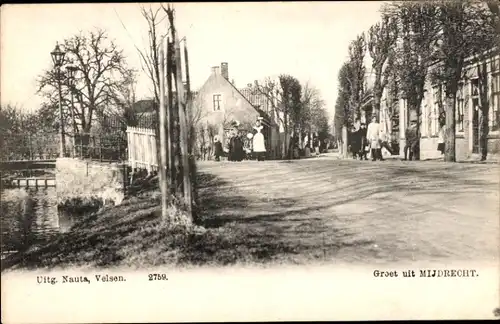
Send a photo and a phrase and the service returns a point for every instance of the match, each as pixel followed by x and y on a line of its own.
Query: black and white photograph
pixel 250 161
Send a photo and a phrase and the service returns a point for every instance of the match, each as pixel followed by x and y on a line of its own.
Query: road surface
pixel 333 210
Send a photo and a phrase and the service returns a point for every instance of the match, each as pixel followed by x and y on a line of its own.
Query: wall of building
pixel 233 104
pixel 89 180
pixel 430 111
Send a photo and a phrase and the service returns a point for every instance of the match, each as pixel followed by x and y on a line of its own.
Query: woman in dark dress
pixel 355 142
pixel 238 152
pixel 218 149
pixel 230 156
pixel 364 143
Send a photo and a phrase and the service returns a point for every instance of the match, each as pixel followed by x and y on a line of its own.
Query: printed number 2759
pixel 157 276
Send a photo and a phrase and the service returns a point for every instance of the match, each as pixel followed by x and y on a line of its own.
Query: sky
pixel 308 40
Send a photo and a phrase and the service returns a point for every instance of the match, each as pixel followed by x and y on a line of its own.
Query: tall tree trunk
pixel 450 140
pixel 176 130
pixel 285 144
pixel 483 133
pixel 162 135
pixel 181 99
pixel 191 125
pixel 171 128
pixel 484 109
pixel 299 135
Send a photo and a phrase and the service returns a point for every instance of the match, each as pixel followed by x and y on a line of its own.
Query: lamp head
pixel 57 55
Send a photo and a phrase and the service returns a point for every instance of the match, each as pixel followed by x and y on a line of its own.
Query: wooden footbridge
pixel 27 174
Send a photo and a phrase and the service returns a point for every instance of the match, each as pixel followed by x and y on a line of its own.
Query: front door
pixel 475 126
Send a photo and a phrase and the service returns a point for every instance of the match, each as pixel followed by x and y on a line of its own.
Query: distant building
pixel 219 103
pixel 395 115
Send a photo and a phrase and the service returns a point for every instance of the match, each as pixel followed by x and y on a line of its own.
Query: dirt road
pixel 357 211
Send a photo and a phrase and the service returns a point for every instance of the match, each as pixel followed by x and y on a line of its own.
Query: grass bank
pixel 133 235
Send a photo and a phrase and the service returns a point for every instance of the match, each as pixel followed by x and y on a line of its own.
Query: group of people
pixel 371 139
pixel 296 149
pixel 240 148
pixel 364 140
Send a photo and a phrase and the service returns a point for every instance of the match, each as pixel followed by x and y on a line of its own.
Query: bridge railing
pixel 110 146
pixel 15 147
pixel 142 152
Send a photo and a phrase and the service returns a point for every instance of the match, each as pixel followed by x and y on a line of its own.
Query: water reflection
pixel 29 217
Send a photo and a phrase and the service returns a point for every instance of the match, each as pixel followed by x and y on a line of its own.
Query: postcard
pixel 271 161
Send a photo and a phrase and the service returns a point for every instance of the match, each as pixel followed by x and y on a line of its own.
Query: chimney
pixel 215 69
pixel 224 70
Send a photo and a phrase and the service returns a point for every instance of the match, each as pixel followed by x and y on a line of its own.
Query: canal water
pixel 29 218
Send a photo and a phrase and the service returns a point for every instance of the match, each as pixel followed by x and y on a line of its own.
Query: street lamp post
pixel 71 80
pixel 58 57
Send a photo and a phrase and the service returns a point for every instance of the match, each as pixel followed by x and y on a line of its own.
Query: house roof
pixel 264 115
pixel 148 105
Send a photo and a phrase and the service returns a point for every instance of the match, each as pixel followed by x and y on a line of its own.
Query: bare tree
pixel 381 42
pixel 314 113
pixel 355 75
pixel 271 90
pixel 418 33
pixel 458 40
pixel 101 72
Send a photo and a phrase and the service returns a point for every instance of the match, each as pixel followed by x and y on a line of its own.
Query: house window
pixel 475 88
pixel 460 108
pixel 495 65
pixel 217 100
pixel 495 102
pixel 436 102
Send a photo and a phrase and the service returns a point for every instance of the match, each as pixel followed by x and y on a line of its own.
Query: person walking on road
pixel 259 147
pixel 373 137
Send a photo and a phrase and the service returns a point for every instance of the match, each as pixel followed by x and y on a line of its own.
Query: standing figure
pixel 364 143
pixel 259 147
pixel 248 146
pixel 441 139
pixel 239 152
pixel 411 141
pixel 230 146
pixel 355 142
pixel 218 148
pixel 373 137
pixel 316 146
pixel 326 144
pixel 307 150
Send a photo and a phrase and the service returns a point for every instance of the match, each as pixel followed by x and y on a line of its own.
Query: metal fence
pixel 41 146
pixel 101 147
pixel 111 146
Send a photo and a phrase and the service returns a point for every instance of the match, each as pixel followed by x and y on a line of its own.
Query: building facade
pixel 219 104
pixel 467 115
